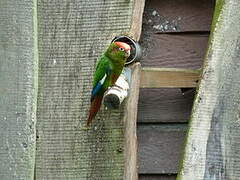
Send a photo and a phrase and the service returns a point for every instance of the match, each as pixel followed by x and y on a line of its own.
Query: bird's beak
pixel 128 52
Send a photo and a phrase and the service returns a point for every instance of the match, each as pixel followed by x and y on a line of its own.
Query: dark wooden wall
pixel 175 34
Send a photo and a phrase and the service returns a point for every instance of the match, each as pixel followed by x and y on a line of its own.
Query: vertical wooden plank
pixel 212 147
pixel 136 23
pixel 72 34
pixel 18 88
pixel 130 115
pixel 130 121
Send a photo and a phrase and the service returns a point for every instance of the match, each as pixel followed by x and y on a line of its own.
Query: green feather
pixel 111 64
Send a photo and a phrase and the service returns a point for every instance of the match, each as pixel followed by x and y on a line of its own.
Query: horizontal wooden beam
pixel 169 78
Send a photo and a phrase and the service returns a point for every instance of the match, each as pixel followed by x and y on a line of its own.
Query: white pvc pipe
pixel 115 95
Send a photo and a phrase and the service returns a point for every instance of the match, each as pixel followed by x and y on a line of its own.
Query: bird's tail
pixel 95 106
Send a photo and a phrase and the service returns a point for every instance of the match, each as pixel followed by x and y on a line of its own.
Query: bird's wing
pixel 100 76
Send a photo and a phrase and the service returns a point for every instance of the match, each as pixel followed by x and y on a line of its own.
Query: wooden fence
pixel 48 54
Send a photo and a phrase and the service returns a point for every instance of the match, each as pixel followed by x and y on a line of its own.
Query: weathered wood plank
pixel 159 148
pixel 212 148
pixel 174 51
pixel 164 105
pixel 130 121
pixel 169 78
pixel 72 34
pixel 18 88
pixel 157 177
pixel 136 26
pixel 177 15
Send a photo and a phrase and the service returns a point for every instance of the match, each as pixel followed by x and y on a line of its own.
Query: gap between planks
pixel 169 78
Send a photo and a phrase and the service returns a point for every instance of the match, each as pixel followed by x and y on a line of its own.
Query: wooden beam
pixel 169 78
pixel 174 107
pixel 185 51
pixel 160 147
pixel 179 16
pixel 212 145
pixel 18 88
pixel 136 24
pixel 130 120
pixel 130 116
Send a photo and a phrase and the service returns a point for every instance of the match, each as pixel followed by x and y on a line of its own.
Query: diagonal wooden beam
pixel 212 144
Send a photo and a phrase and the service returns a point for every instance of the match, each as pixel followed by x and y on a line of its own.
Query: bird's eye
pixel 121 49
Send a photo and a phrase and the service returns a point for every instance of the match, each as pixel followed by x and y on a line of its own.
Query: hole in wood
pixel 136 52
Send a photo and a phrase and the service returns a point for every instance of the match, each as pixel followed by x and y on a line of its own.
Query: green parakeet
pixel 108 70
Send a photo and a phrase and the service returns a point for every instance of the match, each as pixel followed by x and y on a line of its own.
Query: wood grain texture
pixel 160 147
pixel 157 177
pixel 212 148
pixel 164 105
pixel 130 121
pixel 136 26
pixel 169 78
pixel 18 89
pixel 174 51
pixel 178 15
pixel 72 35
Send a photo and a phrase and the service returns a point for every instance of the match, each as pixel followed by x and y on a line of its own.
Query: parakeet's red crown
pixel 123 45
